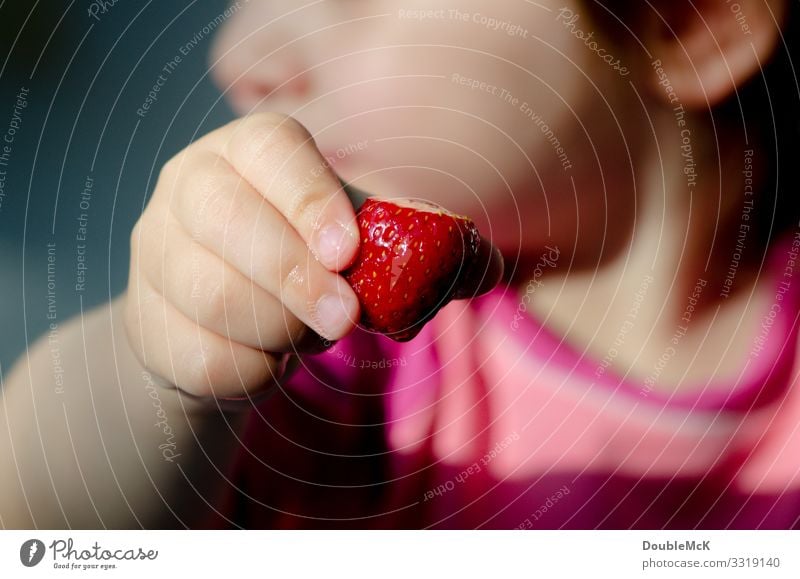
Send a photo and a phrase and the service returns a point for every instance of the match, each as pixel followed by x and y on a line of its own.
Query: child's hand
pixel 234 262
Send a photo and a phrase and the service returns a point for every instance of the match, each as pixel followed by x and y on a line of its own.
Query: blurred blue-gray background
pixel 82 79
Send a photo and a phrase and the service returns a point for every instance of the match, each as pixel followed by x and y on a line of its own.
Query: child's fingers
pixel 279 157
pixel 215 295
pixel 189 356
pixel 226 215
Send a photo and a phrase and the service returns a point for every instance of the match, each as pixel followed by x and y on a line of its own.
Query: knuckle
pixel 187 180
pixel 306 208
pixel 170 171
pixel 267 118
pixel 213 299
pixel 294 276
pixel 273 122
pixel 199 282
pixel 262 136
pixel 292 126
pixel 168 168
pixel 209 200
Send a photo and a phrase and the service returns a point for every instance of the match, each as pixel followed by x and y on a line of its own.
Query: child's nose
pixel 253 68
pixel 254 82
pixel 269 79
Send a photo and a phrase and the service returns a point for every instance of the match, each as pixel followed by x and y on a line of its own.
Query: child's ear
pixel 707 48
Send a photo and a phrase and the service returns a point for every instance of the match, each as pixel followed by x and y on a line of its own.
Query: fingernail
pixel 333 314
pixel 334 246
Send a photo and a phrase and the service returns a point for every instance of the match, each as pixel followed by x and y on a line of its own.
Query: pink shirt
pixel 476 424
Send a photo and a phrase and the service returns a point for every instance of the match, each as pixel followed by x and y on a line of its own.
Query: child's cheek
pixel 427 135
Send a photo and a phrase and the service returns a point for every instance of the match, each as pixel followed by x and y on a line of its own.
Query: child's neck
pixel 657 294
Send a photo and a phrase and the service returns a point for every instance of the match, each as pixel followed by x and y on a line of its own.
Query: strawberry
pixel 414 257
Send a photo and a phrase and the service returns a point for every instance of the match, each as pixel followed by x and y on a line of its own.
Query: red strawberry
pixel 413 259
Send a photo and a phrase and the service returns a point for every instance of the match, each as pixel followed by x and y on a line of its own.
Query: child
pixel 636 367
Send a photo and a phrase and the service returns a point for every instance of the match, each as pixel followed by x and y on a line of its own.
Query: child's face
pixel 394 88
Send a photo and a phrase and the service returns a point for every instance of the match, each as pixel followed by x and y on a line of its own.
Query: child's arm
pixel 234 265
pixel 96 444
